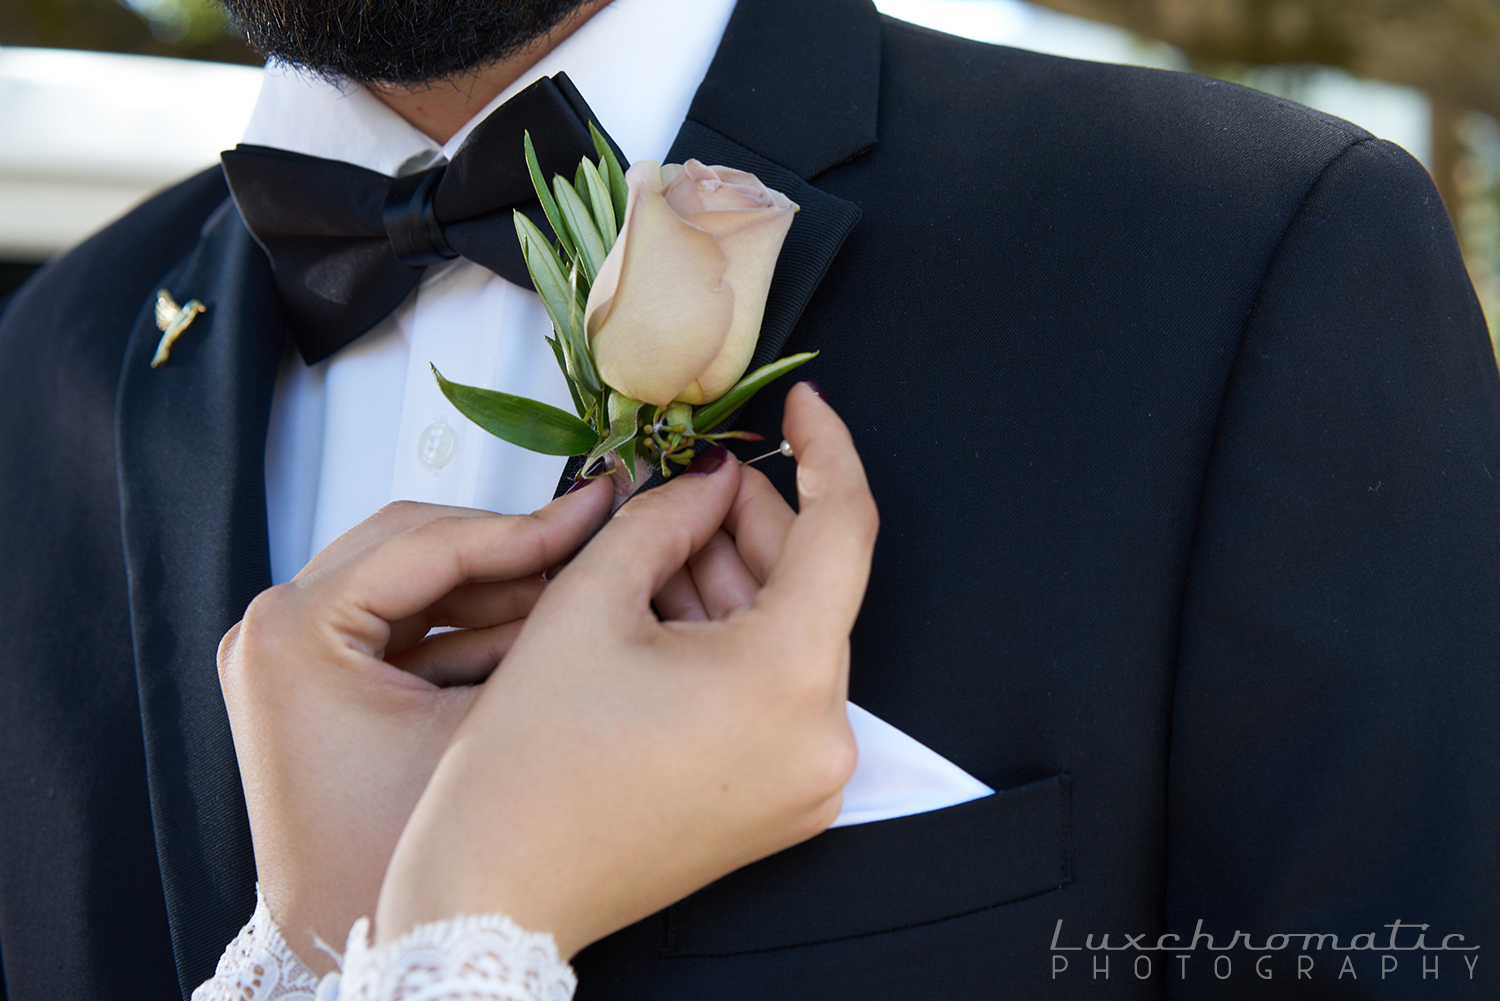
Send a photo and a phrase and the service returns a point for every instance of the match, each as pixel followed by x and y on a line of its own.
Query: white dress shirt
pixel 368 425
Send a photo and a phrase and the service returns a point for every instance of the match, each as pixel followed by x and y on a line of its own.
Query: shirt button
pixel 436 444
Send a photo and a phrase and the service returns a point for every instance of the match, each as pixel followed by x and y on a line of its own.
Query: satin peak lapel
pixel 191 441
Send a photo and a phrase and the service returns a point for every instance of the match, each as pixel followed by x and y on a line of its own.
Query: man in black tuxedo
pixel 1184 427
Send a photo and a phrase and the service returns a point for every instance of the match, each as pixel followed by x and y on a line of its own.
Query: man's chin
pixel 439 41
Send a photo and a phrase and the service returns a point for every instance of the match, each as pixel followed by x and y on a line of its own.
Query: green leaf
pixel 611 171
pixel 557 352
pixel 579 341
pixel 564 305
pixel 622 415
pixel 548 274
pixel 711 414
pixel 600 205
pixel 580 188
pixel 544 195
pixel 627 456
pixel 581 227
pixel 623 428
pixel 532 425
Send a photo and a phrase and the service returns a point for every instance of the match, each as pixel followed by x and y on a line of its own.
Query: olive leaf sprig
pixel 587 215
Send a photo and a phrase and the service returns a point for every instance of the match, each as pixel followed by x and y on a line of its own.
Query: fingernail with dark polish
pixel 708 461
pixel 812 384
pixel 577 485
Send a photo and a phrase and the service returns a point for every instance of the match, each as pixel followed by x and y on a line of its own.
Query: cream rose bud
pixel 675 310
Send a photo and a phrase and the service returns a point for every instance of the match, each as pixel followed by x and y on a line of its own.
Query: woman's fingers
pixel 393 519
pixel 819 581
pixel 461 657
pixel 714 583
pixel 468 606
pixel 679 600
pixel 759 521
pixel 404 574
pixel 620 761
pixel 722 578
pixel 649 540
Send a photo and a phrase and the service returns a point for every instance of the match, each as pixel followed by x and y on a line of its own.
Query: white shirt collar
pixel 637 63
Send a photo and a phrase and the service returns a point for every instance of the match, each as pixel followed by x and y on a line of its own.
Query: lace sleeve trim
pixel 484 957
pixel 259 966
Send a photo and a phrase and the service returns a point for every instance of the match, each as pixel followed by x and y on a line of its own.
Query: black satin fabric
pixel 347 244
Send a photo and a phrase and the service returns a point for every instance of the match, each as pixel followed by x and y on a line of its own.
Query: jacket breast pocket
pixel 871 878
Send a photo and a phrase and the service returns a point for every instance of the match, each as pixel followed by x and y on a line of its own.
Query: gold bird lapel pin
pixel 172 320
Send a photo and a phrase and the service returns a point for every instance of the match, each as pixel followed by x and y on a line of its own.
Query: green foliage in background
pixel 188 23
pixel 1448 48
pixel 197 29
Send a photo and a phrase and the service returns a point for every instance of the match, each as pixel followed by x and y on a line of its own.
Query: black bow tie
pixel 348 244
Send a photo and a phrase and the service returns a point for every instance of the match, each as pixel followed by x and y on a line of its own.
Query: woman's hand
pixel 617 762
pixel 340 708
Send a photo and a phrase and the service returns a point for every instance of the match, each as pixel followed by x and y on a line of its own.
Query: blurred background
pixel 104 101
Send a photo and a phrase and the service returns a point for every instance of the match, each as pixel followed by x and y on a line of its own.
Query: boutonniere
pixel 655 287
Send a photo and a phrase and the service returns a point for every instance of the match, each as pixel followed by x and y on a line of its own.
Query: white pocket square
pixel 897 776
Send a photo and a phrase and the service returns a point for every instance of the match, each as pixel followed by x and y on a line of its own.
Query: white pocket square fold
pixel 897 776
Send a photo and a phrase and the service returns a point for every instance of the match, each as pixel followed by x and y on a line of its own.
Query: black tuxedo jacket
pixel 1185 432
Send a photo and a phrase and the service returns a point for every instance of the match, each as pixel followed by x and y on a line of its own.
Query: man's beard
pixel 395 41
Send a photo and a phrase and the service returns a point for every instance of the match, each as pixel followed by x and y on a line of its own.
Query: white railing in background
pixel 86 135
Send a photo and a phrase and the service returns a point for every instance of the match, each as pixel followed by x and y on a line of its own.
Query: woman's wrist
pixel 486 957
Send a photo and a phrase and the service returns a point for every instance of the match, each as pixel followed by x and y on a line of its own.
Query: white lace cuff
pixel 259 966
pixel 486 957
pixel 483 958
